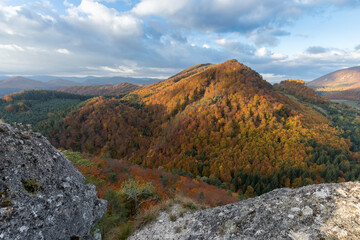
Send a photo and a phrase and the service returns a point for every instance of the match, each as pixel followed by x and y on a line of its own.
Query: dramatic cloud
pixel 157 38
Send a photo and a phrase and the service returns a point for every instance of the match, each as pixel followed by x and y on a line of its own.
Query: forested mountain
pixel 17 84
pixel 29 108
pixel 298 89
pixel 101 90
pixel 221 122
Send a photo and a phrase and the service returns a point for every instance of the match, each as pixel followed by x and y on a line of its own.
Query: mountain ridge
pixel 343 79
pixel 219 122
pixel 19 83
pixel 101 90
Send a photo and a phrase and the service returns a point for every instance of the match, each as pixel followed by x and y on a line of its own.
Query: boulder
pixel 323 211
pixel 42 196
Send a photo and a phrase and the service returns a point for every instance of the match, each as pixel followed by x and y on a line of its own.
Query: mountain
pixel 340 80
pixel 324 211
pixel 221 122
pixel 21 82
pixel 31 107
pixel 116 80
pixel 17 84
pixel 60 83
pixel 101 90
pixel 40 187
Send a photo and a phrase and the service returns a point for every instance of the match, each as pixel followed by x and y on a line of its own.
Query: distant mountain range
pixel 16 84
pixel 101 90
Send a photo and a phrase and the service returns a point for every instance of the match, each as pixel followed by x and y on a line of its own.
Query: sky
pixel 280 39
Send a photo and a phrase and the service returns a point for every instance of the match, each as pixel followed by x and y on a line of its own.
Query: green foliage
pixel 190 205
pixel 31 186
pixel 116 211
pixel 77 158
pixel 113 177
pixel 31 107
pixel 347 119
pixel 137 192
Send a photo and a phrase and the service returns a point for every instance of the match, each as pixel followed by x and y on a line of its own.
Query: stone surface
pixel 42 196
pixel 324 211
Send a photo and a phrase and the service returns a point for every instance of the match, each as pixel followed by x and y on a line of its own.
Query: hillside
pixel 299 89
pixel 21 82
pixel 220 122
pixel 109 175
pixel 101 90
pixel 350 94
pixel 29 108
pixel 340 80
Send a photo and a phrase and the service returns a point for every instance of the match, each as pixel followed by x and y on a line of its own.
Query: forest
pixel 110 177
pixel 101 90
pixel 223 124
pixel 27 109
pixel 208 136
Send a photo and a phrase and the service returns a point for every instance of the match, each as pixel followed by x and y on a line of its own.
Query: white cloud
pixel 11 47
pixel 94 16
pixel 278 56
pixel 120 69
pixel 273 78
pixel 222 41
pixel 158 37
pixel 63 51
pixel 262 52
pixel 160 7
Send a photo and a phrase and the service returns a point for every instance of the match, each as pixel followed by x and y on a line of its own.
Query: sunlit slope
pixel 212 120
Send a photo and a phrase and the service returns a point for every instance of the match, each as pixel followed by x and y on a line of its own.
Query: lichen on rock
pixel 322 211
pixel 42 196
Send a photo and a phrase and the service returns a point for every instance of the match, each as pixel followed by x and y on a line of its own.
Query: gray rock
pixel 42 196
pixel 323 211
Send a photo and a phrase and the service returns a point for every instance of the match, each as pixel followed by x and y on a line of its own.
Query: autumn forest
pixel 214 133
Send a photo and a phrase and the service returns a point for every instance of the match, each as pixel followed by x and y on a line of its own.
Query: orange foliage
pixel 210 120
pixel 110 174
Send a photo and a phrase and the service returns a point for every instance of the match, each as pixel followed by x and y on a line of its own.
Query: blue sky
pixel 157 38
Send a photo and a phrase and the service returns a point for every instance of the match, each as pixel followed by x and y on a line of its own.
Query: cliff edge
pixel 323 211
pixel 42 196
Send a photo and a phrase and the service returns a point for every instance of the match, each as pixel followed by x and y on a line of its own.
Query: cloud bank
pixel 157 38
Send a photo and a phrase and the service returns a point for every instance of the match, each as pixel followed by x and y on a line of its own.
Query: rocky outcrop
pixel 324 211
pixel 42 196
